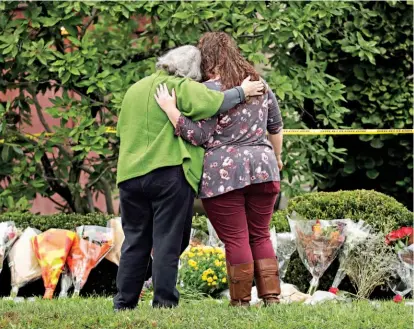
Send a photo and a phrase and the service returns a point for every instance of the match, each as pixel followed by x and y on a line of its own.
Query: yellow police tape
pixel 315 132
pixel 290 132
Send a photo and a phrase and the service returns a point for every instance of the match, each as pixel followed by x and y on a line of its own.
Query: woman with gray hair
pixel 158 173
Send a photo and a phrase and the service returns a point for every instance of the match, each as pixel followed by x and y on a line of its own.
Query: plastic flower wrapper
pixel 402 281
pixel 318 243
pixel 90 246
pixel 24 267
pixel 118 237
pixel 198 237
pixel 65 282
pixel 355 233
pixel 51 249
pixel 284 246
pixel 213 239
pixel 8 235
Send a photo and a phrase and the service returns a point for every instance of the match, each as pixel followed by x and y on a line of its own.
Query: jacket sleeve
pixel 274 119
pixel 196 133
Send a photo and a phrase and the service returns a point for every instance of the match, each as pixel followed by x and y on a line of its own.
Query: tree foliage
pixel 301 46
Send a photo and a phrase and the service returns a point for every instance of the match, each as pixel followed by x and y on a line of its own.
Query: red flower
pixel 397 299
pixel 399 234
pixel 333 290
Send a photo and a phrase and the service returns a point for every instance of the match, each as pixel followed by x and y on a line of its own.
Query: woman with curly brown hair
pixel 241 178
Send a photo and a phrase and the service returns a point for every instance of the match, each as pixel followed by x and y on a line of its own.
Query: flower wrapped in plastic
pixel 118 237
pixel 213 239
pixel 402 280
pixel 8 235
pixel 318 243
pixel 51 249
pixel 24 267
pixel 90 246
pixel 284 246
pixel 356 233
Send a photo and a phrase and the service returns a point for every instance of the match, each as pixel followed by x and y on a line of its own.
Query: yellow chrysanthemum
pixel 200 253
pixel 209 284
pixel 204 278
pixel 215 277
pixel 218 263
pixel 191 254
pixel 214 283
pixel 209 280
pixel 224 280
pixel 192 263
pixel 221 256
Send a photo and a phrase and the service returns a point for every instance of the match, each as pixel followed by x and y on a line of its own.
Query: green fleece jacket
pixel 147 136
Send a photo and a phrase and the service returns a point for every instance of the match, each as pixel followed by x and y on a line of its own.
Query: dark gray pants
pixel 156 211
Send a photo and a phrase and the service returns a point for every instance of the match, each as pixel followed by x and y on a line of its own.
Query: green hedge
pixel 382 212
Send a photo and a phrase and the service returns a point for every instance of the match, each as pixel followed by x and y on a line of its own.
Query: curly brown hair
pixel 221 56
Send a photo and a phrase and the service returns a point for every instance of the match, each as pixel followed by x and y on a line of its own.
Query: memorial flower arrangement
pixel 318 243
pixel 204 268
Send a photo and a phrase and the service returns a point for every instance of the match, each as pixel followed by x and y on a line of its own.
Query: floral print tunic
pixel 238 153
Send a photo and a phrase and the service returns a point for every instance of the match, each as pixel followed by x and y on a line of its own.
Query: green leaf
pixel 181 15
pixel 5 153
pixel 372 174
pixel 377 143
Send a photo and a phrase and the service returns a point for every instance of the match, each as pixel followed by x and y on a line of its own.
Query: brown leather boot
pixel 266 275
pixel 240 283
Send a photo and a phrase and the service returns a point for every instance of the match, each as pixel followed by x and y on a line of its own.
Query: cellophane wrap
pixel 402 280
pixel 356 233
pixel 90 246
pixel 51 249
pixel 8 236
pixel 23 264
pixel 318 243
pixel 114 255
pixel 284 246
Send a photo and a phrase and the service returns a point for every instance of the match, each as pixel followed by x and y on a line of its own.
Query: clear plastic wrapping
pixel 284 246
pixel 24 266
pixel 318 243
pixel 356 233
pixel 114 255
pixel 90 246
pixel 8 235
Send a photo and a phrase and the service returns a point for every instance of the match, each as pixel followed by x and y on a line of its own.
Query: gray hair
pixel 182 61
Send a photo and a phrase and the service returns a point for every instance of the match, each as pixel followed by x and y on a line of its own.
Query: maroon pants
pixel 241 219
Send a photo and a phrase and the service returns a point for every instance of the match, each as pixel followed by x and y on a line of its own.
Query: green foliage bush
pixel 61 221
pixel 384 213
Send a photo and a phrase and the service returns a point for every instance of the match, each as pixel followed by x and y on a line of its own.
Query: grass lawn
pixel 96 313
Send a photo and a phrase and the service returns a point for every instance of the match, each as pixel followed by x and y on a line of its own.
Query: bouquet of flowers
pixel 284 246
pixel 355 233
pixel 318 243
pixel 8 235
pixel 90 246
pixel 401 283
pixel 400 238
pixel 24 267
pixel 204 269
pixel 51 249
pixel 114 255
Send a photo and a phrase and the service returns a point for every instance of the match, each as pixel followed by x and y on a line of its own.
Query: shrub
pixel 384 213
pixel 61 221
